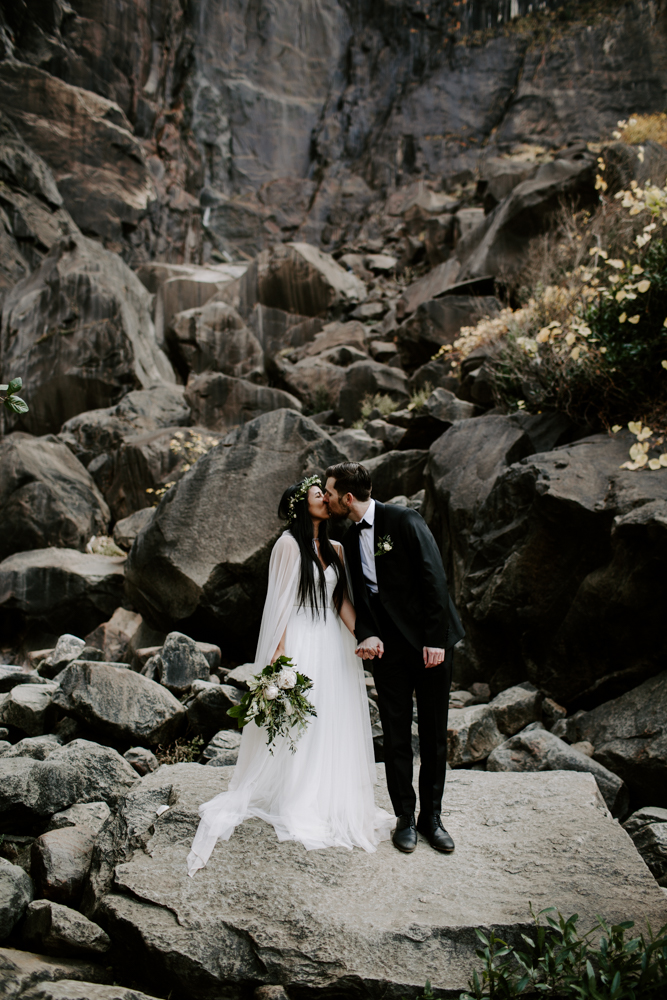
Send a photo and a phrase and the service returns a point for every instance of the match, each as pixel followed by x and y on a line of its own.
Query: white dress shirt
pixel 367 549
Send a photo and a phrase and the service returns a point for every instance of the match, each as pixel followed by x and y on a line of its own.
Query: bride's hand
pixel 370 648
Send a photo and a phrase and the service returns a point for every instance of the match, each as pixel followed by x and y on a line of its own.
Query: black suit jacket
pixel 412 585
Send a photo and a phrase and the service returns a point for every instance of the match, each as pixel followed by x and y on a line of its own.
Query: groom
pixel 409 626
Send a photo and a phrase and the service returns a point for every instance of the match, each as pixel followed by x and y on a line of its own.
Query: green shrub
pixel 385 404
pixel 556 961
pixel 181 751
pixel 419 396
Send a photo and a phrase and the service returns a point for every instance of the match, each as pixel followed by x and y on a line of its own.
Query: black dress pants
pixel 397 675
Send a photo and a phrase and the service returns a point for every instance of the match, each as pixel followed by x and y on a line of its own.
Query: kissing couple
pixel 380 597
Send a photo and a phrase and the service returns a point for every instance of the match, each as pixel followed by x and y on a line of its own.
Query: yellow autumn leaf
pixel 622 318
pixel 618 264
pixel 570 338
pixel 663 459
pixel 644 433
pixel 634 320
pixel 664 364
pixel 635 426
pixel 629 465
pixel 603 350
pixel 665 323
pixel 642 460
pixel 654 464
pixel 574 353
pixel 636 269
pixel 543 336
pixel 620 295
pixel 636 452
pixel 643 286
pixel 616 428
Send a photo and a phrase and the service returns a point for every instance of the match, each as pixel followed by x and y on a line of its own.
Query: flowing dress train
pixel 322 795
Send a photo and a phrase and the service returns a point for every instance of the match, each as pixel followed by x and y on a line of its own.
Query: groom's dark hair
pixel 351 477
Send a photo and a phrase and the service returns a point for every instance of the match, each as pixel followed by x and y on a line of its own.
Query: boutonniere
pixel 385 545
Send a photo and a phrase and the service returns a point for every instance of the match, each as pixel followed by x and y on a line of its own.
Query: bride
pixel 322 795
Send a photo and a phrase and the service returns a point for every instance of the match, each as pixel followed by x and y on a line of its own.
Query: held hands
pixel 370 648
pixel 433 656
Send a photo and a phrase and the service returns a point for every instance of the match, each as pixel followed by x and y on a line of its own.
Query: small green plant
pixel 556 961
pixel 11 401
pixel 385 404
pixel 181 751
pixel 419 396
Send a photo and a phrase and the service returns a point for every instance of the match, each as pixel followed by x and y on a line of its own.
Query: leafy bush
pixel 419 396
pixel 555 960
pixel 641 128
pixel 590 337
pixel 385 404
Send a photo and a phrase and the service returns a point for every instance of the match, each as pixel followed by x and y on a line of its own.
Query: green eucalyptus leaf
pixel 16 404
pixel 15 385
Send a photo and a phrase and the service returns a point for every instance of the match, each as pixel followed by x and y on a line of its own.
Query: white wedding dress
pixel 322 795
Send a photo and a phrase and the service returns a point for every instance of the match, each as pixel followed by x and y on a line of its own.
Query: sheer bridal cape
pixel 322 795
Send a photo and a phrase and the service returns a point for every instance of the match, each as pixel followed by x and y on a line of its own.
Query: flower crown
pixel 301 494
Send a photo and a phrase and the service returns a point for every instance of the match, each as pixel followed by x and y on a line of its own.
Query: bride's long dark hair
pixel 312 591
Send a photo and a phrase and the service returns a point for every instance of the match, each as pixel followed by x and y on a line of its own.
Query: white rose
pixel 271 692
pixel 286 679
pixel 386 546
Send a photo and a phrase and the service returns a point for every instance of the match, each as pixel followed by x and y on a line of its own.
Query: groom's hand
pixel 433 656
pixel 370 648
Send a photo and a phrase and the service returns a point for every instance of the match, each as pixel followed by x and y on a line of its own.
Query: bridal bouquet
pixel 277 700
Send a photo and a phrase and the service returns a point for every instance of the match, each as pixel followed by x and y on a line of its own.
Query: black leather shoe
pixel 430 826
pixel 405 834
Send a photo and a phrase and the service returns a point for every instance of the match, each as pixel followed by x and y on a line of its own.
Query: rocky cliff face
pixel 221 127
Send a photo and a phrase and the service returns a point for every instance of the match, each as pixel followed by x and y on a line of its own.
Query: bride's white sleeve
pixel 280 597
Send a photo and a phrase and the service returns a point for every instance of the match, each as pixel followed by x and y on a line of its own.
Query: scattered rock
pixel 315 381
pixel 210 564
pixel 539 750
pixel 67 648
pixel 15 894
pixel 110 343
pixel 127 529
pixel 214 338
pixel 220 402
pixel 299 278
pixel 278 331
pixel 358 445
pixel 642 817
pixel 38 978
pixel 429 287
pixel 142 760
pixel 11 675
pixel 60 863
pixel 397 472
pixel 180 663
pixel 58 930
pixel 481 693
pixel 120 703
pixel 30 708
pixel 630 739
pixel 35 747
pixel 102 431
pixel 584 747
pixel 350 334
pixel 33 790
pixel 439 412
pixel 651 842
pixel 223 749
pixel 390 435
pixel 461 699
pixel 61 588
pixel 368 378
pixel 46 497
pixel 207 711
pixel 516 707
pixel 114 638
pixel 552 712
pixel 91 815
pixel 438 322
pixel 472 734
pixel 501 241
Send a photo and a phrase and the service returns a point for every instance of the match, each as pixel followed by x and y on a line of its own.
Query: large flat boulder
pixel 32 790
pixel 193 558
pixel 144 410
pixel 119 703
pixel 62 588
pixel 79 330
pixel 630 738
pixel 270 912
pixel 16 892
pixel 220 402
pixel 299 278
pixel 370 378
pixel 502 516
pixel 26 972
pixel 397 473
pixel 46 497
